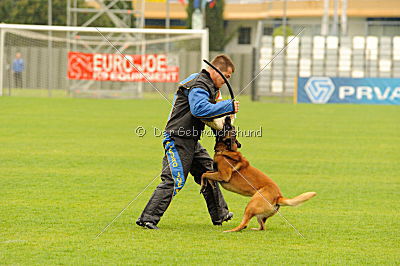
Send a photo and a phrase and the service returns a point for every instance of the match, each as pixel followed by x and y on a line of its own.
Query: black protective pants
pixel 194 159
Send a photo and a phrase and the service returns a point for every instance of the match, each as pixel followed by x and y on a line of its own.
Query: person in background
pixel 18 67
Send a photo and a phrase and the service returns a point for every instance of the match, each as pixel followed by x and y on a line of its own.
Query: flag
pixel 212 3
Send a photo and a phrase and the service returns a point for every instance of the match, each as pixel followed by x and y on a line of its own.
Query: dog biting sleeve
pixel 174 162
pixel 200 106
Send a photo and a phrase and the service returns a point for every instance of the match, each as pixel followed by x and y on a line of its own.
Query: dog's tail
pixel 296 200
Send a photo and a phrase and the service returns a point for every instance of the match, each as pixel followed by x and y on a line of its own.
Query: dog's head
pixel 226 138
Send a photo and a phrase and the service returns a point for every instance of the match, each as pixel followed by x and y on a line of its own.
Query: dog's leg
pixel 212 176
pixel 204 184
pixel 238 166
pixel 261 220
pixel 248 214
pixel 245 221
pixel 212 183
pixel 266 207
pixel 219 176
pixel 264 219
pixel 208 177
pixel 257 206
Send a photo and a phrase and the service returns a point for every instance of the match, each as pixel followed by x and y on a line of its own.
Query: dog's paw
pixel 237 229
pixel 231 231
pixel 203 187
pixel 202 190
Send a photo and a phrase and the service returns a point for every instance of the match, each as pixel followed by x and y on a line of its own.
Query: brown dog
pixel 237 175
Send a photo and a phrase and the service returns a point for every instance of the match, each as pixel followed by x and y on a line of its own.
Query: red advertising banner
pixel 117 67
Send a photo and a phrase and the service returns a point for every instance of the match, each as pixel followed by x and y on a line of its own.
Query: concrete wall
pixel 233 46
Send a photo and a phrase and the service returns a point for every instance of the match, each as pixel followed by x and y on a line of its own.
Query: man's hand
pixel 236 105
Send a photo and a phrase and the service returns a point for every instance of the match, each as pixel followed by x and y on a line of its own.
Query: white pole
pixel 68 89
pixel 2 34
pixel 325 19
pixel 167 26
pixel 335 17
pixel 344 17
pixel 284 19
pixel 94 29
pixel 204 47
pixel 143 18
pixel 167 18
pixel 203 8
pixel 49 46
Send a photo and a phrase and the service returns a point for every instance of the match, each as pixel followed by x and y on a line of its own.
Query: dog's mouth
pixel 226 138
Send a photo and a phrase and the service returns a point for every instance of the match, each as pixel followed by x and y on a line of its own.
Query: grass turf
pixel 69 166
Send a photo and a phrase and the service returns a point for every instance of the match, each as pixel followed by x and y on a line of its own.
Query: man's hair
pixel 223 62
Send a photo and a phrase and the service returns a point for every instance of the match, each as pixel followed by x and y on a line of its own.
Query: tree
pixel 214 22
pixel 30 12
pixel 35 12
pixel 280 31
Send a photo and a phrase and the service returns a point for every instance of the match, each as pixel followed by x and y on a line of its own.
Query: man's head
pixel 225 65
pixel 18 55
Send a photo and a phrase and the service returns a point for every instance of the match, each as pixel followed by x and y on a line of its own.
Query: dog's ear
pixel 227 124
pixel 238 144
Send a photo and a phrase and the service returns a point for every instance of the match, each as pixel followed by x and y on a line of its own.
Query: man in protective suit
pixel 194 103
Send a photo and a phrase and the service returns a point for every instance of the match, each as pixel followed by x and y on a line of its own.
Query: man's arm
pixel 200 106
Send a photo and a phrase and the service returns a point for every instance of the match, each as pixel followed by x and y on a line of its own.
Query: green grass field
pixel 69 166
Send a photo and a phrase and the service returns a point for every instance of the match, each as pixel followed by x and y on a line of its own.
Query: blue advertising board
pixel 323 90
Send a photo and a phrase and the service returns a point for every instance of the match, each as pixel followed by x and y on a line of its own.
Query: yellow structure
pixel 274 9
pixel 364 17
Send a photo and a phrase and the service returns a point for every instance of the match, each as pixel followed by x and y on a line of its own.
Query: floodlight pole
pixel 2 35
pixel 284 19
pixel 167 25
pixel 284 40
pixel 344 18
pixel 205 47
pixel 335 18
pixel 325 19
pixel 167 18
pixel 203 8
pixel 50 19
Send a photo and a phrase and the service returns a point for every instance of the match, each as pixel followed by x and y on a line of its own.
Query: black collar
pixel 206 72
pixel 209 77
